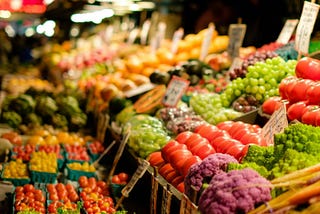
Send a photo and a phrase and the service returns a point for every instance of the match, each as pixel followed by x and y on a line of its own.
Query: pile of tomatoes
pixel 95 195
pixel 27 197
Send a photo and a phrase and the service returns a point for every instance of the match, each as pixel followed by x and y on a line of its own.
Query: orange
pixel 134 64
pixel 165 56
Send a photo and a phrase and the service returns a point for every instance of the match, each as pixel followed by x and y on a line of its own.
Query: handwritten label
pixel 176 88
pixel 206 42
pixel 187 207
pixel 144 32
pixel 175 40
pixel 276 124
pixel 133 35
pixel 236 35
pixel 142 168
pixel 166 200
pixel 236 63
pixel 305 27
pixel 108 34
pixel 287 31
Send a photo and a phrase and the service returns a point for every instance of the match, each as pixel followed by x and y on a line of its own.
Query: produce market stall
pixel 192 124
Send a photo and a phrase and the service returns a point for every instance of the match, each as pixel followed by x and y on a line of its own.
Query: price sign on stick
pixel 120 151
pixel 187 207
pixel 142 168
pixel 206 42
pixel 133 35
pixel 103 122
pixel 305 27
pixel 236 63
pixel 144 32
pixel 175 40
pixel 236 34
pixel 176 87
pixel 166 200
pixel 276 124
pixel 287 31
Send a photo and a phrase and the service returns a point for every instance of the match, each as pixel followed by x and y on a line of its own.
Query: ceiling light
pixel 95 16
pixel 146 5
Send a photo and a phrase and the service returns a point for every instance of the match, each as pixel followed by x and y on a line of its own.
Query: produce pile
pixel 36 108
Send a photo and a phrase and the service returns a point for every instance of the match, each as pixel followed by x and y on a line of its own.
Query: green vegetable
pixel 32 118
pixel 78 120
pixel 260 169
pixel 46 106
pixel 262 156
pixel 23 104
pixel 68 105
pixel 123 116
pixel 59 121
pixel 12 118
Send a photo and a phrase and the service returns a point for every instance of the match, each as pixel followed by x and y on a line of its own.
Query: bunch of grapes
pixel 261 81
pixel 260 56
pixel 245 103
pixel 209 107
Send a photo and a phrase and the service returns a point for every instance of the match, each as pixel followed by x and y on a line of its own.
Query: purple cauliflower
pixel 237 191
pixel 203 171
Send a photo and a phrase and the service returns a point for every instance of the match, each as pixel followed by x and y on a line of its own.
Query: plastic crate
pixel 43 177
pixel 15 181
pixel 116 189
pixel 93 156
pixel 74 175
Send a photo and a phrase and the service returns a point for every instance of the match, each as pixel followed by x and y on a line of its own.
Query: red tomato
pixel 170 147
pixel 284 85
pixel 207 130
pixel 123 176
pixel 188 163
pixel 177 180
pixel 203 149
pixel 235 151
pixel 155 159
pixel 115 179
pixel 271 105
pixel 183 136
pixel 309 116
pixel 240 133
pixel 171 175
pixel 296 110
pixel 83 181
pixel 177 155
pixel 299 90
pixel 236 126
pixel 92 182
pixel 313 94
pixel 221 144
pixel 180 187
pixel 28 188
pixel 251 138
pixel 165 169
pixel 225 125
pixel 308 68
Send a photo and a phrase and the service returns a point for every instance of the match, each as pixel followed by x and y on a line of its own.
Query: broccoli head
pixel 12 118
pixel 260 169
pixel 237 191
pixel 261 155
pixel 203 171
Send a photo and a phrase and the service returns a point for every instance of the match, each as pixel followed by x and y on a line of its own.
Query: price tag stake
pixel 276 124
pixel 176 87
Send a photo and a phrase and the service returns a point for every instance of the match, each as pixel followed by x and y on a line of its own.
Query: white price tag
pixel 276 124
pixel 144 32
pixel 287 31
pixel 305 27
pixel 133 35
pixel 176 87
pixel 175 40
pixel 206 42
pixel 236 35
